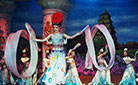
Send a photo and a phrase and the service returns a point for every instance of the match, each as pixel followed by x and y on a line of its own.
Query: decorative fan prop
pixel 11 49
pixel 91 49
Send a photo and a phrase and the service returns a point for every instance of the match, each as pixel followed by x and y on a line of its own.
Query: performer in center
pixel 56 72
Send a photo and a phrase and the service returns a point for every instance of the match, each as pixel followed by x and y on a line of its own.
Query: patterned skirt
pixel 128 76
pixel 55 74
pixel 101 78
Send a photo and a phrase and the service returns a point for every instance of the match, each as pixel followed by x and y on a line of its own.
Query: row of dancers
pixel 72 77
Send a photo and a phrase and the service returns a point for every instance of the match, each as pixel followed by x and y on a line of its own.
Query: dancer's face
pixel 56 28
pixel 125 53
pixel 99 53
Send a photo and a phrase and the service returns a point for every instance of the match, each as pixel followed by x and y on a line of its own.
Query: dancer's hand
pixel 106 47
pixel 69 53
pixel 32 38
pixel 79 33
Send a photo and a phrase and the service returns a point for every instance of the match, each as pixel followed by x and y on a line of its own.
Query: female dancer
pixel 102 77
pixel 25 60
pixel 129 74
pixel 72 77
pixel 3 72
pixel 56 72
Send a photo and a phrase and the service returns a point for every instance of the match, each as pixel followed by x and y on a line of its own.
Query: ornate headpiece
pixel 57 19
pixel 101 50
pixel 125 49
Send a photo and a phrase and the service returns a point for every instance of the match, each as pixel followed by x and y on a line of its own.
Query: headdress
pixel 125 49
pixel 101 50
pixel 57 19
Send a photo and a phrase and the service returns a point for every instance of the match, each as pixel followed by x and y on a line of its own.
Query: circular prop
pixel 11 49
pixel 90 44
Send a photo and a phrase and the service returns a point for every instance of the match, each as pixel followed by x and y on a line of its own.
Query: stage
pixel 114 78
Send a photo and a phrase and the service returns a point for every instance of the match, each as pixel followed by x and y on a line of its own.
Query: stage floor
pixel 114 78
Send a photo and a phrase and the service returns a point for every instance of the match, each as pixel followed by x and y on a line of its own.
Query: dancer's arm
pixel 133 59
pixel 77 34
pixel 42 40
pixel 69 54
pixel 106 51
pixel 135 55
pixel 67 57
pixel 105 63
pixel 100 56
pixel 75 47
pixel 72 37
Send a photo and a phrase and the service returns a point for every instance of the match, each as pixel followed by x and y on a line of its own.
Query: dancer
pixel 3 72
pixel 129 74
pixel 25 60
pixel 56 72
pixel 72 77
pixel 102 77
